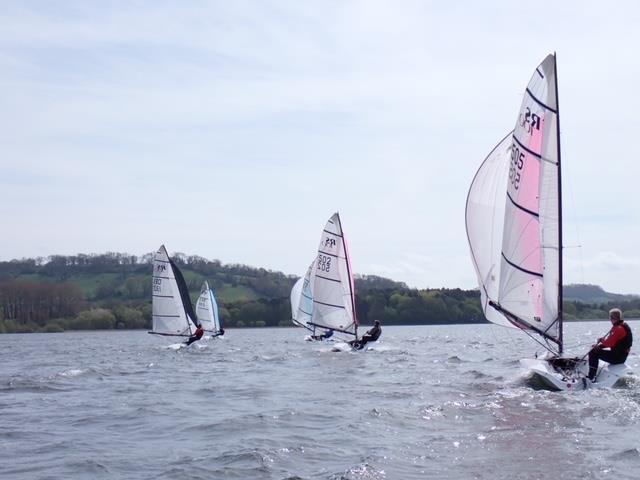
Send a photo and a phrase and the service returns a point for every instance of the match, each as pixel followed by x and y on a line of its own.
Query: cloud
pixel 248 119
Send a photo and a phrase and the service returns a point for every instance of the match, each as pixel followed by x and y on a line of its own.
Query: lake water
pixel 442 402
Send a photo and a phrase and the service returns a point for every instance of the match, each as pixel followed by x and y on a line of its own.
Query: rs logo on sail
pixel 530 120
pixel 161 268
pixel 330 242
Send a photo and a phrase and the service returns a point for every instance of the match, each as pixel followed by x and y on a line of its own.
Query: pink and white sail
pixel 513 215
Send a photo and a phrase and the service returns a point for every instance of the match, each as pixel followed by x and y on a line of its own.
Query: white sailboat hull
pixel 309 338
pixel 346 347
pixel 542 374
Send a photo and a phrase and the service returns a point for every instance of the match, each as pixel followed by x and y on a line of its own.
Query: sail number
pixel 157 285
pixel 324 263
pixel 515 168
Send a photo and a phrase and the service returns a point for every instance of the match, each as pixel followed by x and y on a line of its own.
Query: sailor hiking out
pixel 617 344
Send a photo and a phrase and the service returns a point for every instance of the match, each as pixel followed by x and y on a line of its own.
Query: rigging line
pixel 537 340
pixel 569 186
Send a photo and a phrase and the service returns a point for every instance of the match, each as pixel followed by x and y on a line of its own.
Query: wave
pixel 31 386
pixel 630 454
pixel 361 471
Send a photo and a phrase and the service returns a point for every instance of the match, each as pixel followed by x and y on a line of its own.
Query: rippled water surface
pixel 446 402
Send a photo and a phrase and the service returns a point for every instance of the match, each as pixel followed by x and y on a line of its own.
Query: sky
pixel 234 130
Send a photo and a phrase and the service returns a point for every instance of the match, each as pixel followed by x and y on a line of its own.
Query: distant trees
pixel 113 290
pixel 30 302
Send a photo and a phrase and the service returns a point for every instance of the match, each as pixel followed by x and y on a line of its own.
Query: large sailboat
pixel 207 311
pixel 327 299
pixel 172 311
pixel 514 228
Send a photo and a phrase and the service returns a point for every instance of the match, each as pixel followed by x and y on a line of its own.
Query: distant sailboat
pixel 331 283
pixel 302 301
pixel 207 311
pixel 172 311
pixel 514 228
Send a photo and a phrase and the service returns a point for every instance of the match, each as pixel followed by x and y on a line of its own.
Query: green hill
pixel 593 294
pixel 113 290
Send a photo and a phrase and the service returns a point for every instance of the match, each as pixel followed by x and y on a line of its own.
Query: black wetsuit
pixel 371 336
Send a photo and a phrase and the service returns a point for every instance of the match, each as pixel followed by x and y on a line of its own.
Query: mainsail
pixel 331 281
pixel 207 310
pixel 513 216
pixel 172 311
pixel 302 300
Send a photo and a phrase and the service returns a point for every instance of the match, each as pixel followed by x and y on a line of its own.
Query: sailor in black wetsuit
pixel 371 336
pixel 219 334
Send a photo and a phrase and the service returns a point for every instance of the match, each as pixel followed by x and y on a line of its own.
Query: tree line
pixel 113 290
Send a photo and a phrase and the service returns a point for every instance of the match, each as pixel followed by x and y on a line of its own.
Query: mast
pixel 560 335
pixel 351 281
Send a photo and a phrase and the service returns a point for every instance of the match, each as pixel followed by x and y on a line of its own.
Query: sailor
pixel 371 336
pixel 197 335
pixel 219 334
pixel 323 336
pixel 618 342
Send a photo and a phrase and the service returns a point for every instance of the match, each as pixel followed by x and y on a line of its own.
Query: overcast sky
pixel 234 129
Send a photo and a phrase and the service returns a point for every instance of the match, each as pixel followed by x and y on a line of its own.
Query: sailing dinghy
pixel 514 228
pixel 207 312
pixel 172 311
pixel 302 303
pixel 331 283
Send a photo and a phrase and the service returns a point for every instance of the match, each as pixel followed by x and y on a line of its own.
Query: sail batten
pixel 535 154
pixel 542 104
pixel 530 212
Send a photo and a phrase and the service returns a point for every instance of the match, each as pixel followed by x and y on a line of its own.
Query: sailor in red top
pixel 618 341
pixel 196 336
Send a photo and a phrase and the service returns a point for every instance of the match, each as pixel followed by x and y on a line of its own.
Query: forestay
pixel 302 300
pixel 513 216
pixel 171 306
pixel 207 310
pixel 332 282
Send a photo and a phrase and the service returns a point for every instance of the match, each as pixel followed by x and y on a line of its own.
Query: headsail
pixel 171 306
pixel 332 282
pixel 513 216
pixel 207 310
pixel 302 300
